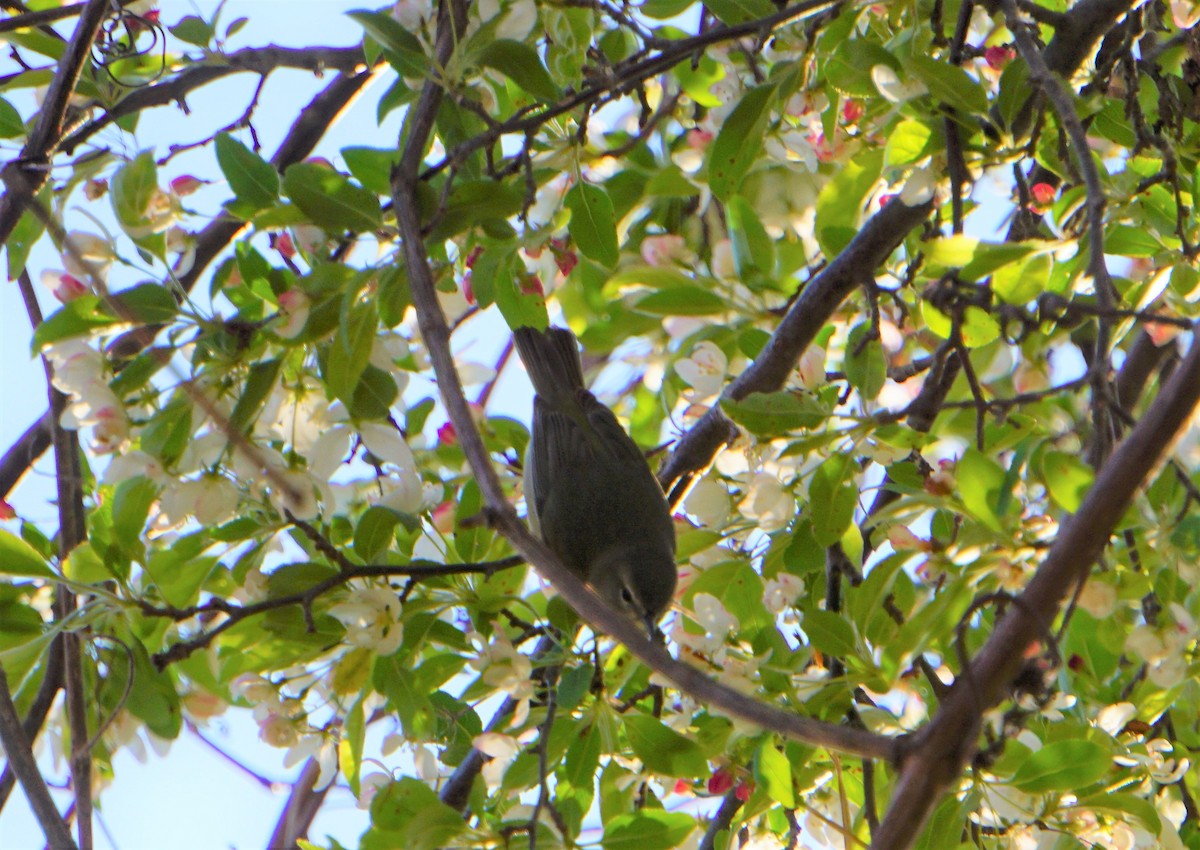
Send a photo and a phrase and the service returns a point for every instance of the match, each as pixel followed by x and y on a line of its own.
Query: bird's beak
pixel 651 627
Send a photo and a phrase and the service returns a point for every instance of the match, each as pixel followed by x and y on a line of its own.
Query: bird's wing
pixel 615 442
pixel 558 443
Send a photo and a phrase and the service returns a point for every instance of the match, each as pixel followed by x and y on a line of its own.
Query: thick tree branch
pixel 804 320
pixel 24 176
pixel 18 751
pixel 256 60
pixel 941 750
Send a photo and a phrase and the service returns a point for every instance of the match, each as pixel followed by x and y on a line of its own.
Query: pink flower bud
pixel 998 57
pixel 473 257
pixel 698 139
pixel 186 184
pixel 884 200
pixel 447 434
pixel 6 510
pixel 721 781
pixel 852 110
pixel 1043 196
pixel 468 290
pixel 69 288
pixel 282 242
pixel 443 517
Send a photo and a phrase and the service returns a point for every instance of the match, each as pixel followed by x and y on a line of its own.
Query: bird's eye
pixel 626 595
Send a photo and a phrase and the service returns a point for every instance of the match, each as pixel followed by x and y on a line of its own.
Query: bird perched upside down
pixel 591 494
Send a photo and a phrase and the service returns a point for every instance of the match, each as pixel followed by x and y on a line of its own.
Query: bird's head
pixel 637 581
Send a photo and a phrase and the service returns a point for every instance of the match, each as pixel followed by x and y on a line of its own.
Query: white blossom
pixel 709 502
pixel 371 617
pixel 704 370
pixel 769 503
pixel 369 786
pixel 502 750
pixel 781 592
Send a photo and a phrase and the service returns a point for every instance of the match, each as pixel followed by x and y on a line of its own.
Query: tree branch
pixel 436 334
pixel 941 750
pixel 19 753
pixel 256 60
pixel 804 320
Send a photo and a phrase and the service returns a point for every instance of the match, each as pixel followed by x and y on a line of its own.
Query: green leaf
pixel 147 303
pixel 18 558
pixel 738 587
pixel 374 532
pixel 1063 766
pixel 372 167
pixel 735 12
pixel 849 68
pixel 350 350
pixel 1020 283
pixel 980 480
pixel 662 749
pixel 152 695
pixel 593 225
pixel 255 391
pixel 373 396
pixel 25 235
pixel 866 365
pixel 521 302
pixel 11 125
pixel 773 773
pixel 254 181
pixel 131 506
pixel 681 301
pixel 330 200
pixel 1067 478
pixel 132 189
pixel 830 633
pixel 978 327
pixel 832 498
pixel 521 64
pixel 840 203
pixel 773 414
pixel 1127 241
pixel 753 248
pixel 407 813
pixel 908 143
pixel 1122 807
pixel 649 829
pixel 739 141
pixel 400 47
pixel 949 84
pixel 193 30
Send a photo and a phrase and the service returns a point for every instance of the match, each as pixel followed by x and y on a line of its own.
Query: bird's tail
pixel 551 358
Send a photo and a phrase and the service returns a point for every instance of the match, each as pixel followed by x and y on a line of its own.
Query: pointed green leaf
pixel 253 180
pixel 330 200
pixel 521 64
pixel 593 224
pixel 1070 765
pixel 18 558
pixel 739 141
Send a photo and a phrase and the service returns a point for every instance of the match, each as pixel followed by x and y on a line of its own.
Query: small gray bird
pixel 590 492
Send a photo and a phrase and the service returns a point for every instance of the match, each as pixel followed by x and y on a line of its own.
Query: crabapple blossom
pixel 369 786
pixel 704 370
pixel 371 617
pixel 501 750
pixel 769 503
pixel 709 502
pixel 781 592
pixel 664 250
